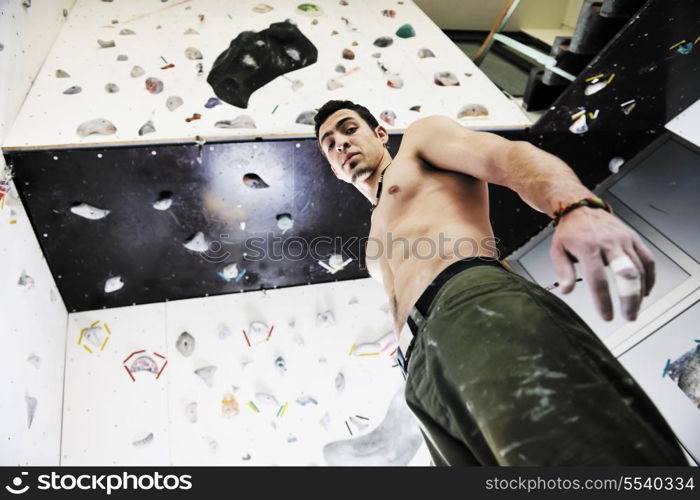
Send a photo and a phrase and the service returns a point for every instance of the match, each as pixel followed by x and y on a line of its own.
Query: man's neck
pixel 369 186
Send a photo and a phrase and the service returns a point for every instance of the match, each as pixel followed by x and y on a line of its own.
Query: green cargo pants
pixel 503 372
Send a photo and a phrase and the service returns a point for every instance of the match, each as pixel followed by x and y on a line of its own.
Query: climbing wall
pixel 32 314
pixel 298 376
pixel 136 71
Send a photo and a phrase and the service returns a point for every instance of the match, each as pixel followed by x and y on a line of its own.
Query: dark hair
pixel 332 106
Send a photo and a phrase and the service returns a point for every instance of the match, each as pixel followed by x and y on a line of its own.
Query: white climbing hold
pixel 198 243
pixel 89 212
pixel 31 403
pixel 191 412
pixel 206 373
pixel 113 284
pixel 185 344
pixel 99 126
pixel 325 319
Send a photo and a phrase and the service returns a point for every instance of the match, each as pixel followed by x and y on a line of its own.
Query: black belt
pixel 423 303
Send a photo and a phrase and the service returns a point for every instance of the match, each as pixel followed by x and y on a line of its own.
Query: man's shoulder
pixel 423 131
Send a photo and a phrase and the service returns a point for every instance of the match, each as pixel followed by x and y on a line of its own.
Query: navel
pixel 394 189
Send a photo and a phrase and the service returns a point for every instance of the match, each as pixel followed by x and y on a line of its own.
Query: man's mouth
pixel 349 157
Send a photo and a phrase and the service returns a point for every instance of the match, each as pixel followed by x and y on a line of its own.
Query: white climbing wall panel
pixel 32 315
pixel 159 36
pixel 105 410
pixel 236 413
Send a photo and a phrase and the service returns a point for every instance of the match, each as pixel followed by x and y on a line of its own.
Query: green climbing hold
pixel 406 31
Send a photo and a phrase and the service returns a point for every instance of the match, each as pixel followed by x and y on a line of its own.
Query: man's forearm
pixel 542 180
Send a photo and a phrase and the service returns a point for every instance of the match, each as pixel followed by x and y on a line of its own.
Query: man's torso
pixel 426 219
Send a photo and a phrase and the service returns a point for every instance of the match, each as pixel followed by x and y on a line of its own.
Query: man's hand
pixel 595 239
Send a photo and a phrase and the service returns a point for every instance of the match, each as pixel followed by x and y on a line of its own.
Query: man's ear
pixel 383 135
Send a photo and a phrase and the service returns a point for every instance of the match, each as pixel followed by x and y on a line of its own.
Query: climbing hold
pixel 309 9
pixel 241 121
pixel 72 90
pixel 88 211
pixel 95 335
pixel 113 284
pixel 280 365
pixel 415 108
pixel 406 31
pixel 212 102
pixel 333 84
pixel 206 373
pixel 389 13
pixel 224 332
pixel 126 31
pixel 154 85
pixel 595 87
pixel 579 126
pixel 254 181
pixel 147 128
pixel 262 8
pixel 144 441
pixel 193 53
pixel 445 78
pixel 306 117
pixel 305 400
pixel 185 344
pixel 628 106
pixel 229 406
pixel 383 41
pixel 212 443
pixel 26 281
pixel 137 71
pixel 258 331
pixel 340 383
pixel 31 403
pixel 296 85
pixel 191 412
pixel 229 272
pixel 191 31
pixel 164 201
pixel 143 364
pixel 423 53
pixel 382 344
pixel 173 102
pixel 61 74
pixel 394 81
pixel 197 243
pixel 106 44
pixel 325 421
pixel 389 117
pixel 34 360
pixel 348 54
pixel 685 48
pixel 98 126
pixel 340 68
pixel 111 88
pixel 284 221
pixel 267 400
pixel 615 164
pixel 334 32
pixel 472 111
pixel 359 423
pixel 325 319
pixel 195 116
pixel 122 57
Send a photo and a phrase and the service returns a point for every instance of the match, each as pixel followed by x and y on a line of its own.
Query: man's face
pixel 354 151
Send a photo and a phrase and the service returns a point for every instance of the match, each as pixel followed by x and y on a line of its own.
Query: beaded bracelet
pixel 585 202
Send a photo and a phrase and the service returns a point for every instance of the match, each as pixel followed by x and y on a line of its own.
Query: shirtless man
pixel 500 371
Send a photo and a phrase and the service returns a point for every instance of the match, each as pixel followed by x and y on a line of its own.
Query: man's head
pixel 351 139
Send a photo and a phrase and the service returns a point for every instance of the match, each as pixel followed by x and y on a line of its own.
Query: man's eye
pixel 330 145
pixel 351 130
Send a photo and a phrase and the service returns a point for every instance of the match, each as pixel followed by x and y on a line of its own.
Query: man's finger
pixel 628 282
pixel 564 267
pixel 594 273
pixel 632 254
pixel 647 259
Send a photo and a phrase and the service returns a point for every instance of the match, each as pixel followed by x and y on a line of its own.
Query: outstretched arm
pixel 590 236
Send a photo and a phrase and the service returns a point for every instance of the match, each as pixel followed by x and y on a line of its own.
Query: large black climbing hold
pixel 254 59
